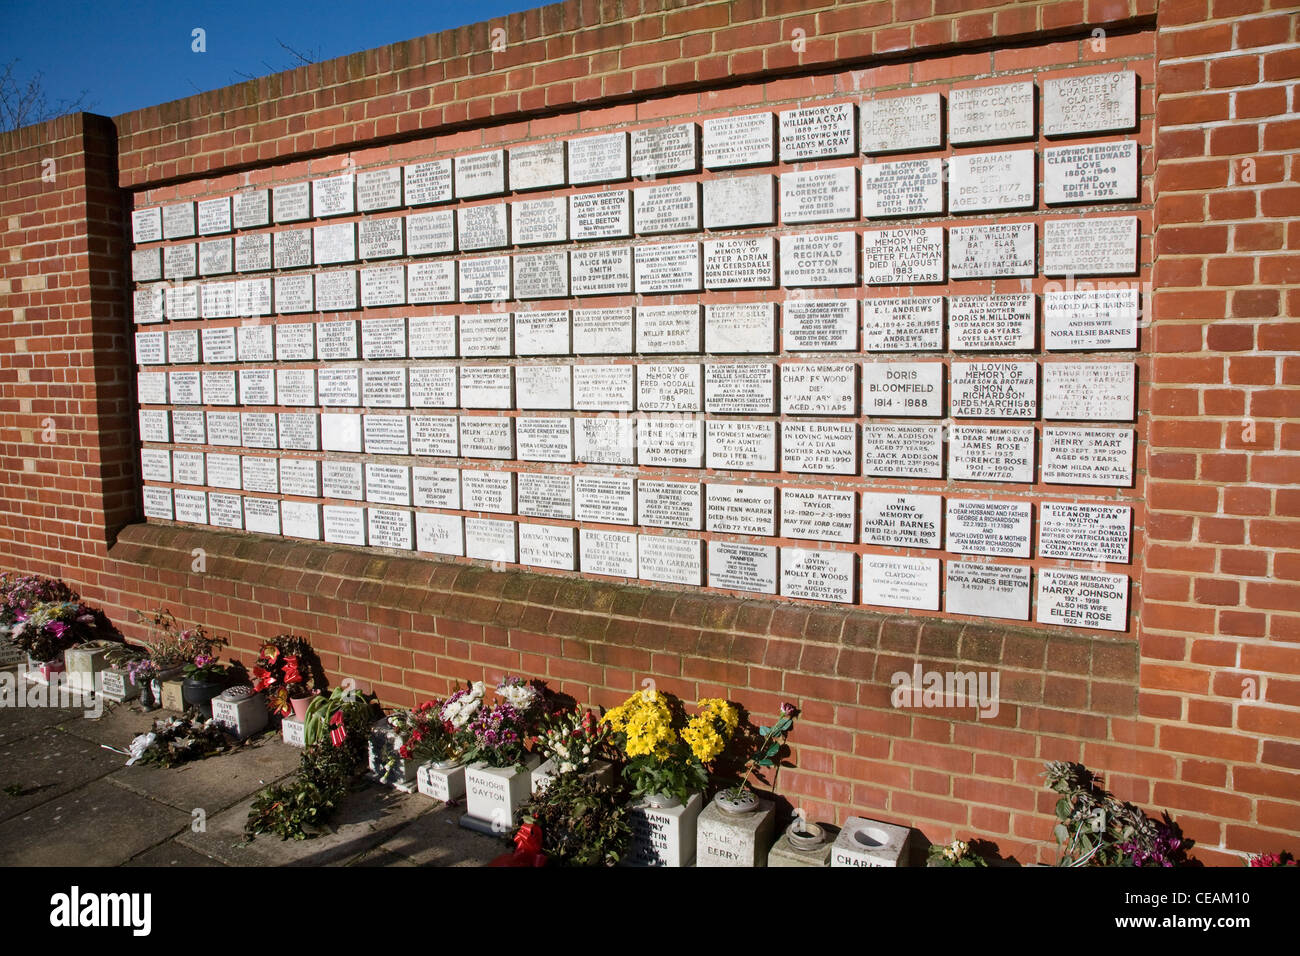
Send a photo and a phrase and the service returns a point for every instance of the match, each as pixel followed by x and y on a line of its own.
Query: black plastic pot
pixel 199 693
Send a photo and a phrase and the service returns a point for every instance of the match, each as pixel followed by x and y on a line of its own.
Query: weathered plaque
pixel 744 263
pixel 601 271
pixel 485 386
pixel 991 251
pixel 671 560
pixel 905 521
pixel 219 300
pixel 602 331
pixel 671 208
pixel 668 388
pixel 344 480
pixel 670 504
pixel 295 341
pixel 489 491
pixel 663 150
pixel 214 216
pixel 481 174
pixel 146 225
pixel 992 181
pixel 1085 532
pixel 294 294
pixel 611 553
pixel 178 220
pixel 987 590
pixel 333 196
pixel 146 265
pixel 992 323
pixel 606 441
pixel 217 257
pixel 536 221
pixel 898 389
pixel 180 261
pixel 251 208
pixel 902 123
pixel 339 431
pixel 261 474
pixel 818 132
pixel 740 446
pixel 994 390
pixel 380 238
pixel 1088 456
pixel 545 496
pixel 291 202
pixel 740 327
pixel 344 524
pixel 604 388
pixel 253 252
pixel 820 389
pixel 223 428
pixel 383 338
pixel 819 259
pixel 1092 103
pixel 486 437
pixel 426 183
pixel 182 302
pixel 999 528
pixel 189 467
pixel 439 534
pixel 537 166
pixel 819 325
pixel 900 582
pixel 544 439
pixel 1083 599
pixel 182 346
pixel 903 256
pixel 742 567
pixel 293 247
pixel 548 546
pixel 748 140
pixel 1097 246
pixel 300 476
pixel 1089 391
pixel 434 386
pixel 336 291
pixel 482 227
pixel 225 511
pixel 430 233
pixel 814 514
pixel 300 519
pixel 906 324
pixel 991 114
pixel 739 201
pixel 484 280
pixel 379 189
pixel 668 329
pixel 991 453
pixel 485 334
pixel 741 509
pixel 744 388
pixel 151 388
pixel 819 195
pixel 219 388
pixel 817 575
pixel 542 276
pixel 295 386
pixel 598 159
pixel 224 471
pixel 253 297
pixel 605 499
pixel 1091 172
pixel 671 442
pixel 667 267
pixel 912 187
pixel 543 387
pixel 543 332
pixel 1087 319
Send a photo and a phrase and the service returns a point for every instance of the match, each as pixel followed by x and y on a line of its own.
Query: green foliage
pixel 678 778
pixel 583 822
pixel 955 854
pixel 1094 828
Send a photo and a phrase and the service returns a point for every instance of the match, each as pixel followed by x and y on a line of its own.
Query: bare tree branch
pixel 24 102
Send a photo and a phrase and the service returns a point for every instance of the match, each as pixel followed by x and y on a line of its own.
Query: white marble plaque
pixel 1092 103
pixel 224 471
pixel 742 567
pixel 545 496
pixel 219 300
pixel 740 446
pixel 261 474
pixel 905 521
pixel 819 259
pixel 820 575
pixel 542 387
pixel 482 227
pixel 669 388
pixel 544 439
pixel 182 346
pixel 900 582
pixel 604 499
pixel 439 534
pixel 432 336
pixel 214 216
pixel 992 323
pixel 607 441
pixel 333 196
pixel 294 294
pixel 225 511
pixel 1088 319
pixel 819 325
pixel 178 220
pixel 606 271
pixel 155 464
pixel 336 291
pixel 671 208
pixel 251 208
pixel 821 389
pixel 155 424
pixel 300 519
pixel 991 251
pixel 903 256
pixel 219 388
pixel 146 265
pixel 994 390
pixel 431 282
pixel 293 247
pixel 180 262
pixel 185 388
pixel 814 514
pixel 998 528
pixel 191 506
pixel 991 114
pixel 259 429
pixel 818 132
pixel 899 389
pixel 1075 531
pixel 987 590
pixel 991 453
pixel 912 187
pixel 740 388
pixel 481 174
pixel 436 487
pixel 262 515
pixel 484 280
pixel 217 257
pixel 671 560
pixel 667 267
pixel 600 215
pixel 741 509
pixel 902 123
pixel 1083 599
pixel 748 140
pixel 385 434
pixel 548 546
pixel 745 263
pixel 295 386
pixel 380 238
pixel 486 386
pixel 158 503
pixel 379 189
pixel 1088 456
pixel 1089 391
pixel 604 388
pixel 668 329
pixel 1097 246
pixel 336 340
pixel 992 181
pixel 829 448
pixel 426 183
pixel 189 467
pixel 663 150
pixel 906 324
pixel 542 276
pixel 218 345
pixel 340 431
pixel 671 442
pixel 486 437
pixel 384 388
pixel 300 431
pixel 602 331
pixel 536 221
pixel 146 225
pixel 430 233
pixel 543 332
pixel 295 341
pixel 819 195
pixel 598 159
pixel 344 524
pixel 485 334
pixel 740 328
pixel 669 504
pixel 611 553
pixel 537 166
pixel 385 338
pixel 489 491
pixel 740 201
pixel 253 252
pixel 1090 172
pixel 291 202
pixel 435 435
pixel 300 476
pixel 151 388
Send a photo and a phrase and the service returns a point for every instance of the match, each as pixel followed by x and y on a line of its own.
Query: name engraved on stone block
pixel 740 446
pixel 180 262
pixel 333 196
pixel 670 442
pixel 740 327
pixel 544 439
pixel 154 424
pixel 485 280
pixel 294 294
pixel 185 388
pixel 336 291
pixel 902 123
pixel 426 183
pixel 545 496
pixel 258 429
pixel 158 503
pixel 225 511
pixel 336 388
pixel 536 221
pixel 261 474
pixel 822 389
pixel 384 387
pixel 906 521
pixel 300 476
pixel 439 534
pixel 251 208
pixel 748 140
pixel 992 323
pixel 898 389
pixel 611 553
pixel 545 387
pixel 992 181
pixel 537 166
pixel 1083 532
pixel 543 332
pixel 991 251
pixel 253 252
pixel 485 437
pixel 1089 391
pixel 390 528
pixel 253 297
pixel 663 150
pixel 671 208
pixel 223 429
pixel 819 259
pixel 379 189
pixel 911 187
pixel 430 233
pixel 819 195
pixel 386 434
pixel 991 114
pixel 744 263
pixel 671 560
pixel 1091 172
pixel 182 346
pixel 483 227
pixel 435 435
pixel 178 220
pixel 740 388
pixel 1098 246
pixel 670 504
pixel 1093 103
pixel 604 388
pixel 1086 319
pixel 291 202
pixel 991 453
pixel 491 539
pixel 1083 599
pixel 488 491
pixel 436 487
pixel 151 388
pixel 542 276
pixel 904 324
pixel 601 271
pixel 336 340
pixel 819 325
pixel 742 567
pixel 668 329
pixel 146 225
pixel 812 514
pixel 607 441
pixel 434 386
pixel 486 386
pixel 485 334
pixel 146 265
pixel 216 257
pixel 900 582
pixel 383 338
pixel 999 528
pixel 667 267
pixel 987 590
pixel 604 499
pixel 739 201
pixel 295 341
pixel 380 238
pixel 602 331
pixel 994 390
pixel 903 256
pixel 668 388
pixel 817 575
pixel 293 247
pixel 224 471
pixel 547 546
pixel 219 388
pixel 818 132
pixel 388 484
pixel 219 345
pixel 741 509
pixel 481 174
pixel 344 524
pixel 598 159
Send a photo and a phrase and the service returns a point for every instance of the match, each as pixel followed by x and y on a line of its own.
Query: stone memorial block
pixel 991 114
pixel 600 215
pixel 261 474
pixel 333 196
pixel 440 534
pixel 819 325
pixel 336 291
pixel 671 208
pixel 813 514
pixel 821 389
pixel 865 842
pixel 262 515
pixel 380 238
pixel 748 140
pixel 744 263
pixel 158 503
pixel 902 389
pixel 343 479
pixel 999 528
pixel 1088 319
pixel 191 506
pixel 671 560
pixel 151 388
pixel 991 251
pixel 740 446
pixel 740 327
pixel 243 717
pixel 537 166
pixel 218 345
pixel 294 294
pixel 545 496
pixel 379 189
pixel 486 386
pixel 670 442
pixel 295 341
pixel 481 174
pixel 742 567
pixel 902 123
pixel 337 340
pixel 431 233
pixel 602 331
pixel 740 201
pixel 543 332
pixel 819 195
pixel 435 435
pixel 181 261
pixel 219 388
pixel 484 280
pixel 1083 532
pixel 669 504
pixel 606 441
pixel 182 303
pixel 189 467
pixel 1091 103
pixel 1089 391
pixel 817 575
pixel 486 437
pixel 488 491
pixel 155 424
pixel 146 225
pixel 146 265
pixel 987 590
pixel 668 329
pixel 431 282
pixel 604 499
pixel 604 388
pixel 911 187
pixel 483 227
pixel 485 334
pixel 1097 246
pixel 994 390
pixel 178 220
pixel 300 519
pixel 992 323
pixel 991 453
pixel 436 487
pixel 251 208
pixel 992 181
pixel 300 431
pixel 669 388
pixel 295 386
pixel 155 464
pixel 432 336
pixel 380 434
pixel 741 509
pixel 536 221
pixel 1091 172
pixel 384 387
pixel 225 511
pixel 819 259
pixel 293 247
pixel 903 256
pixel 667 267
pixel 217 257
pixel 818 132
pixel 606 271
pixel 1088 456
pixel 819 447
pixel 259 429
pixel 747 388
pixel 542 276
pixel 904 521
pixel 291 202
pixel 543 387
pixel 344 524
pixel 906 324
pixel 253 252
pixel 611 553
pixel 151 348
pixel 300 476
pixel 663 150
pixel 598 159
pixel 253 297
pixel 185 388
pixel 663 836
pixel 1083 599
pixel 219 300
pixel 428 182
pixel 548 546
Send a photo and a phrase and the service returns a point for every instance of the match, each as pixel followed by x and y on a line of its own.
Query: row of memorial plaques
pixel 1005 112
pixel 980 182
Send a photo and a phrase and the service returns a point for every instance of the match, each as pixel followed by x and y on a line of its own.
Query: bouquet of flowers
pixel 958 853
pixel 463 705
pixel 19 593
pixel 176 740
pixel 573 740
pixel 46 630
pixel 170 645
pixel 423 734
pixel 1272 859
pixel 283 673
pixel 519 693
pixel 496 736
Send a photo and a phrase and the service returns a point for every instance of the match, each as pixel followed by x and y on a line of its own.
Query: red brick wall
pixel 1214 606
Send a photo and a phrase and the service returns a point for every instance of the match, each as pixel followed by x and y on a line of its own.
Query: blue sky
pixel 126 54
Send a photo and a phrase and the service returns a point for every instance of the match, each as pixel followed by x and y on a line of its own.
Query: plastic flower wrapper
pixel 462 705
pixel 139 745
pixel 521 695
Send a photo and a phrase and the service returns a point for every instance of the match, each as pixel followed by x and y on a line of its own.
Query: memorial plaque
pixel 907 324
pixel 146 265
pixel 490 491
pixel 340 431
pixel 295 341
pixel 543 276
pixel 1091 172
pixel 486 386
pixel 999 528
pixel 259 429
pixel 825 325
pixel 437 487
pixel 740 388
pixel 741 509
pixel 154 424
pixel 336 291
pixel 671 442
pixel 384 387
pixel 671 560
pixel 440 534
pixel 293 247
pixel 601 271
pixel 219 388
pixel 740 327
pixel 742 567
pixel 224 471
pixel 740 446
pixel 225 511
pixel 344 524
pixel 668 388
pixel 337 340
pixel 251 208
pixel 484 280
pixel 739 201
pixel 253 252
pixel 900 582
pixel 600 215
pixel 543 332
pixel 155 464
pixel 432 336
pixel 214 216
pixel 146 225
pixel 485 334
pixel 991 251
pixel 671 208
pixel 262 515
pixel 189 467
pixel 808 389
pixel 483 227
pixel 300 519
pixel 180 262
pixel 182 346
pixel 1085 319
pixel 746 263
pixel 670 504
pixel 992 181
pixel 604 388
pixel 899 389
pixel 598 159
pixel 295 386
pixel 819 448
pixel 544 439
pixel 481 174
pixel 426 183
pixel 611 553
pixel 667 267
pixel 1083 532
pixel 151 388
pixel 1083 599
pixel 253 297
pixel 178 220
pixel 602 331
pixel 819 195
pixel 668 329
pixel 817 515
pixel 991 453
pixel 185 388
pixel 431 282
pixel 218 345
pixel 907 521
pixel 300 431
pixel 223 428
pixel 380 238
pixel 1088 456
pixel 431 233
pixel 663 150
pixel 379 189
pixel 257 386
pixel 219 300
pixel 435 435
pixel 1081 247
pixel 912 187
pixel 605 441
pixel 992 323
pixel 902 123
pixel 217 257
pixel 535 221
pixel 1092 103
pixel 818 132
pixel 994 390
pixel 819 259
pixel 548 546
pixel 537 166
pixel 991 114
pixel 291 202
pixel 748 140
pixel 486 437
pixel 383 286
pixel 544 387
pixel 158 503
pixel 903 256
pixel 294 294
pixel 261 474
pixel 1089 391
pixel 987 590
pixel 604 499
pixel 333 196
pixel 545 496
pixel 300 476
pixel 385 434
pixel 820 575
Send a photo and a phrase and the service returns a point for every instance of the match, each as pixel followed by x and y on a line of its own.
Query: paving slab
pixel 117 727
pixel 19 722
pixel 436 838
pixel 216 782
pixel 172 853
pixel 45 765
pixel 99 824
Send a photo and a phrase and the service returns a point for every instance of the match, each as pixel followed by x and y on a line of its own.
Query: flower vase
pixel 494 795
pixel 735 830
pixel 441 779
pixel 663 830
pixel 300 705
pixel 198 693
pixel 148 692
